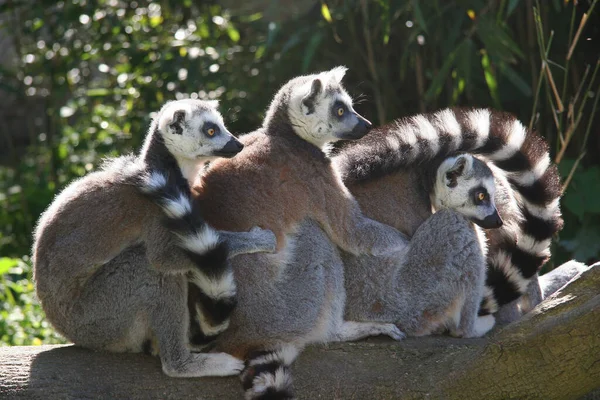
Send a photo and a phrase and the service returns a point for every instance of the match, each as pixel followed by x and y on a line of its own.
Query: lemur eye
pixel 210 129
pixel 481 196
pixel 340 111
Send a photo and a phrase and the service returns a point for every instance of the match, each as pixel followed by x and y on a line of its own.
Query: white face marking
pixel 182 124
pixel 457 193
pixel 319 122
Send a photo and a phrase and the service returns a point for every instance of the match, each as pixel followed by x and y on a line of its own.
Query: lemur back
pixel 395 154
pixel 138 201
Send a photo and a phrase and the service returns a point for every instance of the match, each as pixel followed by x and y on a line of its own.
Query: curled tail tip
pixel 267 374
pixel 271 381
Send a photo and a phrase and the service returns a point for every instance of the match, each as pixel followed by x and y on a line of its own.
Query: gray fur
pixel 437 284
pixel 110 275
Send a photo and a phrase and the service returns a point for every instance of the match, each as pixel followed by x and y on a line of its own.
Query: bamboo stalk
pixel 579 30
pixel 559 103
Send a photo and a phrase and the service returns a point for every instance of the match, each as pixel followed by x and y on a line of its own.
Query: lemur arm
pixel 349 229
pixel 165 253
pixel 257 240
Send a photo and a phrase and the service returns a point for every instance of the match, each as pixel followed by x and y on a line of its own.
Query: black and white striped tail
pixel 501 139
pixel 211 283
pixel 267 374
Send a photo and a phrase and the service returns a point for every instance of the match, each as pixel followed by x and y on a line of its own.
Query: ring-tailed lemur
pixel 392 157
pixel 281 179
pixel 438 284
pixel 142 202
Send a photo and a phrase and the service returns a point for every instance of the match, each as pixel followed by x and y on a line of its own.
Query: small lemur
pixel 438 283
pixel 280 180
pixel 143 202
pixel 393 156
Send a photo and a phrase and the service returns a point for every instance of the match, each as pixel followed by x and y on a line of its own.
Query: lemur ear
pixel 213 103
pixel 308 102
pixel 338 73
pixel 176 123
pixel 455 171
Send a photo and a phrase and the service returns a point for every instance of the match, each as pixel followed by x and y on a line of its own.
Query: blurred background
pixel 79 79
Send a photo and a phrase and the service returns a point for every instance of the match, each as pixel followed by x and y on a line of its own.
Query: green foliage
pixel 21 317
pixel 95 70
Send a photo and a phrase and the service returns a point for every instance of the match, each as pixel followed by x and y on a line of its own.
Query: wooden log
pixel 551 353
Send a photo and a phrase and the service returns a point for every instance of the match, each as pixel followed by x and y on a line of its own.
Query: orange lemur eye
pixel 210 131
pixel 340 111
pixel 481 196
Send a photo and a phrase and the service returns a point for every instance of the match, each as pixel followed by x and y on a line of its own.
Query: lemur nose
pixel 231 148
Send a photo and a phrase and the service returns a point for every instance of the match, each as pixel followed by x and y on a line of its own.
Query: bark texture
pixel 551 353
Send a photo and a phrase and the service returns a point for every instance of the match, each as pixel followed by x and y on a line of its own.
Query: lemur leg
pixel 170 323
pixel 351 330
pixel 129 307
pixel 470 324
pixel 257 240
pixel 440 280
pixel 533 296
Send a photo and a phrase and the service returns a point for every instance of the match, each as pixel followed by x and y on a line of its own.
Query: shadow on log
pixel 551 353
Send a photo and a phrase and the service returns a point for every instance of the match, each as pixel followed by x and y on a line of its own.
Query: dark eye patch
pixel 336 107
pixel 210 127
pixel 479 195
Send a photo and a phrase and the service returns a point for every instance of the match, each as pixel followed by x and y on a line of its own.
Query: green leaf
pixel 98 92
pixel 325 12
pixel 583 193
pixel 6 264
pixel 516 80
pixel 419 15
pixel 585 245
pixel 490 78
pixel 311 48
pixel 438 82
pixel 233 33
pixel 512 4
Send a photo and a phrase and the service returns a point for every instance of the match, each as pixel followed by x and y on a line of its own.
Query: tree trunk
pixel 551 353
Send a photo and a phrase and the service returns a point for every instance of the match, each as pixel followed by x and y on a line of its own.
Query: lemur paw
pixel 222 364
pixel 264 239
pixel 204 364
pixel 393 331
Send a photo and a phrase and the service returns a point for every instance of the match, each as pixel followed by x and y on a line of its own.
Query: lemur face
pixel 194 129
pixel 321 110
pixel 466 185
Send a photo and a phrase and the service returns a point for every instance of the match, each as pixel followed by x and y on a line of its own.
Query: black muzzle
pixel 231 148
pixel 492 221
pixel 360 129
